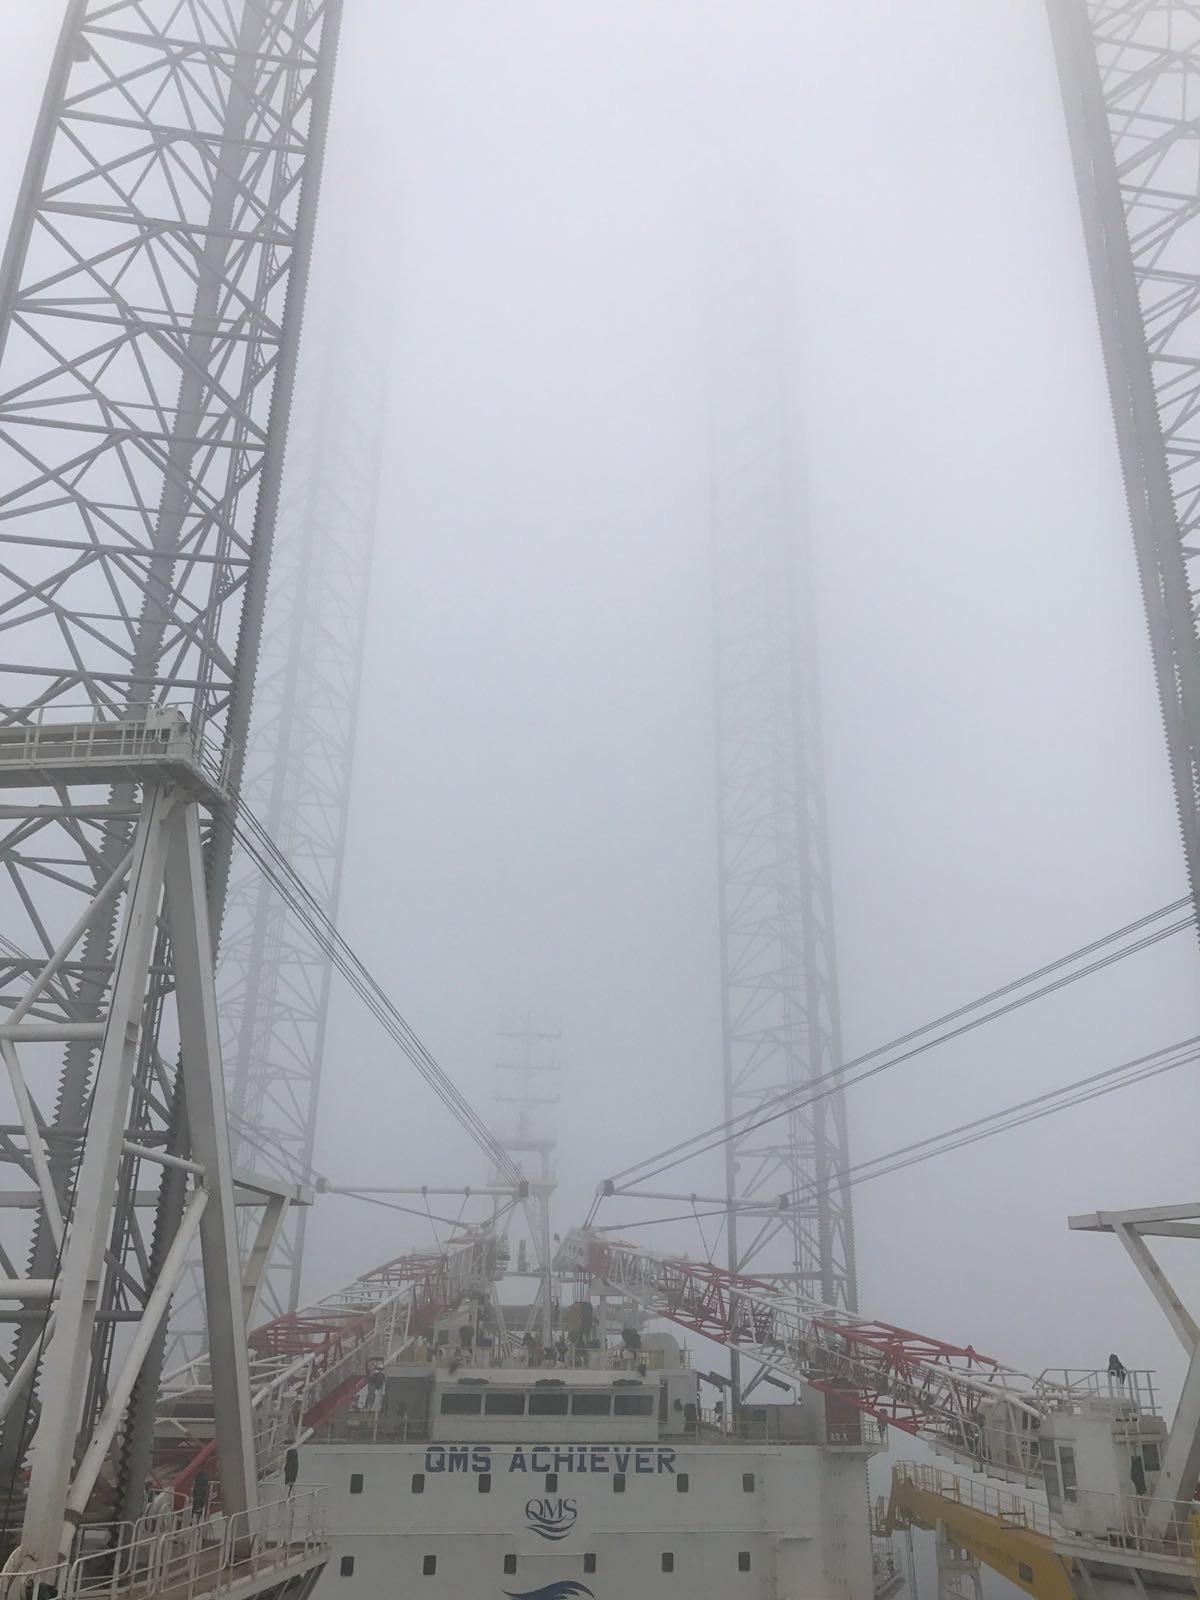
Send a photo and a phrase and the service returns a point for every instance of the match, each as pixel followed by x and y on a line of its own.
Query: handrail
pixel 1118 1521
pixel 162 732
pixel 190 1559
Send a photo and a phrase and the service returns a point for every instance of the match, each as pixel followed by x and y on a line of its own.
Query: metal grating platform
pixel 160 747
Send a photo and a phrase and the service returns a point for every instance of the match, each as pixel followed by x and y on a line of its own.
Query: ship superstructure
pixel 604 1464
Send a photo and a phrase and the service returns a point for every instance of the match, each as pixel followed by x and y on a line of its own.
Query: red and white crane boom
pixel 306 1365
pixel 950 1395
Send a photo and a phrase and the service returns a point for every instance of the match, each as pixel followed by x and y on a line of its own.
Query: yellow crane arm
pixel 996 1528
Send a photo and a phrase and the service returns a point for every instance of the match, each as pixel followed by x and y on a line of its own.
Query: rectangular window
pixel 1151 1459
pixel 747 1483
pixel 552 1483
pixel 633 1405
pixel 429 1567
pixel 552 1403
pixel 668 1561
pixel 418 1483
pixel 503 1403
pixel 356 1482
pixel 590 1405
pixel 618 1483
pixel 743 1561
pixel 346 1567
pixel 484 1480
pixel 510 1566
pixel 589 1562
pixel 682 1483
pixel 1050 1477
pixel 1066 1462
pixel 462 1405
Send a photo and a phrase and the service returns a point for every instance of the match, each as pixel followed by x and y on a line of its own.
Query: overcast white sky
pixel 533 815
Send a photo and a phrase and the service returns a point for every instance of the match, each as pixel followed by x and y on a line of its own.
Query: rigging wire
pixel 1033 1109
pixel 297 895
pixel 432 1217
pixel 1048 1104
pixel 834 1081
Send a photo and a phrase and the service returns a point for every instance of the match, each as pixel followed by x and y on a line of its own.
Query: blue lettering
pixel 517 1464
pixel 599 1461
pixel 622 1458
pixel 666 1461
pixel 539 1460
pixel 642 1462
pixel 481 1458
pixel 564 1460
pixel 458 1459
pixel 435 1459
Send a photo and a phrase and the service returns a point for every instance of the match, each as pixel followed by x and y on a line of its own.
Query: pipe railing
pixel 190 1559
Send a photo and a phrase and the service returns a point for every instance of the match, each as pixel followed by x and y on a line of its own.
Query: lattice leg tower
pixel 150 304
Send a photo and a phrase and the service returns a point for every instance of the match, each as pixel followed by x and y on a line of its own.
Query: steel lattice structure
pixel 274 983
pixel 948 1394
pixel 150 305
pixel 779 983
pixel 1130 75
pixel 531 1055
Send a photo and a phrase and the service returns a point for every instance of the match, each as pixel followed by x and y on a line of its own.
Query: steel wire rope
pixel 700 1228
pixel 1034 1109
pixel 299 897
pixel 354 970
pixel 831 1082
pixel 432 1226
pixel 302 1171
pixel 425 1216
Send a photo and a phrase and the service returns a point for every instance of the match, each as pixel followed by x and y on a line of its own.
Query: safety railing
pixel 1122 1522
pixel 1129 1388
pixel 352 1426
pixel 1014 1510
pixel 189 1560
pixel 83 736
pixel 588 1358
pixel 857 1432
pixel 1119 1522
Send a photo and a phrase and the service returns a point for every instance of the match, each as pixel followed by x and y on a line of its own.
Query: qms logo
pixel 551 1519
pixel 564 1589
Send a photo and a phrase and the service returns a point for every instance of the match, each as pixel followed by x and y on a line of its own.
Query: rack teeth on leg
pixel 173 213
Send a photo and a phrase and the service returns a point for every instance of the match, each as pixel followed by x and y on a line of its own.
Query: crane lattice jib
pixel 307 1365
pixel 949 1394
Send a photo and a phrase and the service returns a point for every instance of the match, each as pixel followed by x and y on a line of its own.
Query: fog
pixel 533 815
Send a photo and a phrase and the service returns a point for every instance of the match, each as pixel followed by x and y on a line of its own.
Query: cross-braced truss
pixel 150 302
pixel 273 981
pixel 779 985
pixel 308 1364
pixel 1130 73
pixel 947 1394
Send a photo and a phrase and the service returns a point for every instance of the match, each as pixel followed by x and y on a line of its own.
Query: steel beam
pixel 66 1367
pixel 204 1087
